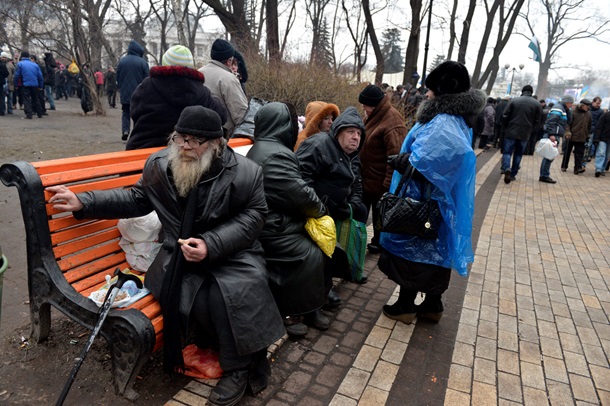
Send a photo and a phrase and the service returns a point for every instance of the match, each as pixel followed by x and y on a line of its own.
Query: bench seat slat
pixel 88 228
pixel 98 267
pixel 84 243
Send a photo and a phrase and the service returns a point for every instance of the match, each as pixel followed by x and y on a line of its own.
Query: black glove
pixel 399 162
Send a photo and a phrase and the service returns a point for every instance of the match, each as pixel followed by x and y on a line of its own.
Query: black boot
pixel 404 308
pixel 431 308
pixel 318 320
pixel 230 389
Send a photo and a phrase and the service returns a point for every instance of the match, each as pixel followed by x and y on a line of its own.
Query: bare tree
pixel 358 33
pixel 566 21
pixel 315 12
pixel 452 32
pixel 162 10
pixel 466 32
pixel 233 17
pixel 289 24
pixel 412 52
pixel 195 11
pixel 273 35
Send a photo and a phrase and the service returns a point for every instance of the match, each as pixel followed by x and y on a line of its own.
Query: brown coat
pixel 314 114
pixel 385 132
pixel 580 126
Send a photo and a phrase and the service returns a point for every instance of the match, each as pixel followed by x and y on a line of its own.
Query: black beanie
pixel 222 50
pixel 447 78
pixel 24 54
pixel 527 88
pixel 371 96
pixel 199 121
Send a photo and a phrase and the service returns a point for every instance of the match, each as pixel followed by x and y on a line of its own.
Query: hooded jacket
pixel 229 215
pixel 440 149
pixel 157 103
pixel 522 115
pixel 294 261
pixel 131 71
pixel 385 132
pixel 28 73
pixel 333 174
pixel 315 112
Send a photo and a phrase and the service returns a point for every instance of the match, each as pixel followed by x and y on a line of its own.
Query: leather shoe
pixel 363 279
pixel 546 179
pixel 318 320
pixel 373 248
pixel 294 326
pixel 507 177
pixel 397 312
pixel 230 389
pixel 333 300
pixel 124 137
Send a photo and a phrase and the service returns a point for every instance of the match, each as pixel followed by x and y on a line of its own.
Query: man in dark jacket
pixel 498 138
pixel 48 75
pixel 28 77
pixel 3 77
pixel 295 263
pixel 110 83
pixel 210 274
pixel 520 117
pixel 130 73
pixel 596 113
pixel 559 117
pixel 601 139
pixel 157 103
pixel 577 135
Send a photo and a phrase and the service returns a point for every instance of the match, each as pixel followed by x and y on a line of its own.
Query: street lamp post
pixel 427 45
pixel 509 90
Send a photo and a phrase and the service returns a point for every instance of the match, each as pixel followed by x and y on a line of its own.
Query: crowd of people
pixel 237 268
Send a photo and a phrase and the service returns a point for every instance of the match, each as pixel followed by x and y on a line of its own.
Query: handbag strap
pixel 404 180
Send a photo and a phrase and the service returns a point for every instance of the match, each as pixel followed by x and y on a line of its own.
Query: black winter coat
pixel 334 175
pixel 131 71
pixel 157 103
pixel 295 263
pixel 230 214
pixel 521 116
pixel 602 129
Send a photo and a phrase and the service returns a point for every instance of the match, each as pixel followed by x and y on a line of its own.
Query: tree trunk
pixel 179 16
pixel 452 34
pixel 235 22
pixel 374 41
pixel 273 37
pixel 412 53
pixel 466 32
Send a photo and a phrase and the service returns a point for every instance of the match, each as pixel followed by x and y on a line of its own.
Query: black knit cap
pixel 527 88
pixel 200 122
pixel 371 96
pixel 25 54
pixel 447 78
pixel 222 50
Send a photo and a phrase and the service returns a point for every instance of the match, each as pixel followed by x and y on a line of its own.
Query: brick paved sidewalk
pixel 533 328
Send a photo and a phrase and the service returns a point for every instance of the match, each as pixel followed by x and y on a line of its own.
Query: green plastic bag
pixel 351 236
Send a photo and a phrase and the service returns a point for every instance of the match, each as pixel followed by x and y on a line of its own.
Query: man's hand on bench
pixel 64 199
pixel 194 249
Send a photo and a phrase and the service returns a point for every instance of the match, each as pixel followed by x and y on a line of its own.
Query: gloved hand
pixel 399 162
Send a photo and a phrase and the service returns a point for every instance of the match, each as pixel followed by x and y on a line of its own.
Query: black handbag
pixel 404 215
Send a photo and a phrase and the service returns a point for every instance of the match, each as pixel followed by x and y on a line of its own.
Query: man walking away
pixel 601 138
pixel 110 82
pixel 130 73
pixel 577 135
pixel 3 77
pixel 559 117
pixel 49 78
pixel 489 117
pixel 521 116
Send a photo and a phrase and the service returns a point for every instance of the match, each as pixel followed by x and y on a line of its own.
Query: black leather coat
pixel 230 214
pixel 294 261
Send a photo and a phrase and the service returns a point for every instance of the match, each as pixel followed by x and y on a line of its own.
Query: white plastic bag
pixel 547 149
pixel 140 240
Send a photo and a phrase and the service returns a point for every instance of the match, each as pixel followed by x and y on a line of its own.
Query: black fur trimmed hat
pixel 200 122
pixel 222 50
pixel 371 96
pixel 447 78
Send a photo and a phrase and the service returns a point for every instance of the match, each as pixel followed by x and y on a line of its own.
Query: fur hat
pixel 447 78
pixel 371 96
pixel 527 88
pixel 178 55
pixel 199 121
pixel 567 99
pixel 5 55
pixel 222 50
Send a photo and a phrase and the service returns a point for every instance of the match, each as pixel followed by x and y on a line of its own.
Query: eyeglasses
pixel 179 140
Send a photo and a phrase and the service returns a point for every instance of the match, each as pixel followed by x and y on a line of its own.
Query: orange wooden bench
pixel 68 258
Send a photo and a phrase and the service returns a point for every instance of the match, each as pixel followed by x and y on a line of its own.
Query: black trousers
pixel 370 202
pixel 211 319
pixel 579 150
pixel 31 100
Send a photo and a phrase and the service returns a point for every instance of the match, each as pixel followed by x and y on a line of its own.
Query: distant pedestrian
pixel 579 131
pixel 559 117
pixel 3 77
pixel 131 71
pixel 601 139
pixel 99 82
pixel 48 75
pixel 520 118
pixel 28 77
pixel 110 83
pixel 489 118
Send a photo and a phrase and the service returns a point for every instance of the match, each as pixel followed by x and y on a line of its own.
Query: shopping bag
pixel 201 363
pixel 351 236
pixel 547 149
pixel 322 231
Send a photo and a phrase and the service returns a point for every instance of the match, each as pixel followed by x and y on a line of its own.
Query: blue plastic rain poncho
pixel 441 151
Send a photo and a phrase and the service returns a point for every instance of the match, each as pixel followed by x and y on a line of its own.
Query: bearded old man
pixel 210 276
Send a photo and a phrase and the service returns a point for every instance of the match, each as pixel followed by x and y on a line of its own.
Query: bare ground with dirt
pixel 33 373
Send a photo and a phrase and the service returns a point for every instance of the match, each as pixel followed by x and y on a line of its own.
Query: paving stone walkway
pixel 532 325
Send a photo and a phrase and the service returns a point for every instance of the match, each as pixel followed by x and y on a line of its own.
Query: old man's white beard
pixel 188 168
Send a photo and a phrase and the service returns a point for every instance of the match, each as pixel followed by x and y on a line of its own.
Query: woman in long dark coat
pixel 295 263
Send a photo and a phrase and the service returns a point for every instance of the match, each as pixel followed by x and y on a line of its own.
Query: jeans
pixel 49 92
pixel 601 157
pixel 510 145
pixel 545 168
pixel 125 119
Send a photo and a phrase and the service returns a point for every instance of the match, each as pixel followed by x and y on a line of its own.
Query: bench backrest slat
pixel 62 235
pixel 89 255
pixel 77 175
pixel 84 243
pixel 110 262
